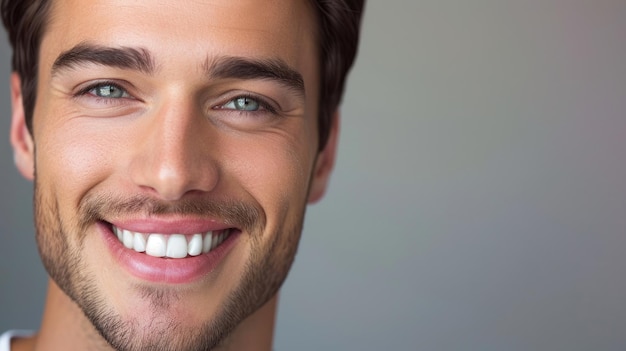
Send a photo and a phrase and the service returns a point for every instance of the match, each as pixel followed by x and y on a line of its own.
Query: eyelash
pixel 263 104
pixel 87 91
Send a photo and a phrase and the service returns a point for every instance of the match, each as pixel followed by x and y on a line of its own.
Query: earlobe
pixel 325 163
pixel 21 139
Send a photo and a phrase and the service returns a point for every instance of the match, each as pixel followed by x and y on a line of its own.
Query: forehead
pixel 195 29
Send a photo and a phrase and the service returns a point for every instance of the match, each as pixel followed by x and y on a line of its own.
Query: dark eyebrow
pixel 140 59
pixel 247 68
pixel 137 59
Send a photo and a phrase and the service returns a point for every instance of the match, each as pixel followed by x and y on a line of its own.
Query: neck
pixel 65 327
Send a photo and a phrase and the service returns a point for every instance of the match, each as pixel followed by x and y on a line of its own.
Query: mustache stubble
pixel 239 214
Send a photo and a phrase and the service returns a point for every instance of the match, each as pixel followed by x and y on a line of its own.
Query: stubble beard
pixel 264 273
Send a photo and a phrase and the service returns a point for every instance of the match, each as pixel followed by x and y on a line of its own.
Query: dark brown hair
pixel 338 26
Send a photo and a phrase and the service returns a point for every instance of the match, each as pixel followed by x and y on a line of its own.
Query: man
pixel 173 147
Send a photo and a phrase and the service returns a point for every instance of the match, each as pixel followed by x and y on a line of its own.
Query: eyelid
pixel 95 84
pixel 265 103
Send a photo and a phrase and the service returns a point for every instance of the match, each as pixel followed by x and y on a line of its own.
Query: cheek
pixel 73 159
pixel 275 170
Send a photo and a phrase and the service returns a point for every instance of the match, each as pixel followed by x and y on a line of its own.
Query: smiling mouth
pixel 172 245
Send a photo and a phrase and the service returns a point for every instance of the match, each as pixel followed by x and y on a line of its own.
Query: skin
pixel 172 138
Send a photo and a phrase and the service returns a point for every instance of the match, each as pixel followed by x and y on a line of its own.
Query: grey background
pixel 479 200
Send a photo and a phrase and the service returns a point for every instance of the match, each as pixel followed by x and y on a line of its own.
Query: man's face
pixel 189 130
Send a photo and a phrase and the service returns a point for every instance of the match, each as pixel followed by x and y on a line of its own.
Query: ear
pixel 325 162
pixel 21 140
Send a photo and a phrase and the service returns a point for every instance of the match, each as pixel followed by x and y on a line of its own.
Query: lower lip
pixel 166 270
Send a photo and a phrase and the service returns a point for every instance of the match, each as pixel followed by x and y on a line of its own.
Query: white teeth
pixel 176 246
pixel 171 245
pixel 139 242
pixel 206 244
pixel 119 234
pixel 127 239
pixel 157 245
pixel 195 245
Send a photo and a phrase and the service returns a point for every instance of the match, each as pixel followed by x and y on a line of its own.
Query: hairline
pixel 336 30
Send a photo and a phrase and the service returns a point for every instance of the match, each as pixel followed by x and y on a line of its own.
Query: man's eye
pixel 109 91
pixel 242 103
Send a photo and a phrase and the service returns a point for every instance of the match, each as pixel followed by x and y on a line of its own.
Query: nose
pixel 176 152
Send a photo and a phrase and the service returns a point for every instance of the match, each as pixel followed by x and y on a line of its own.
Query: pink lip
pixel 166 270
pixel 171 225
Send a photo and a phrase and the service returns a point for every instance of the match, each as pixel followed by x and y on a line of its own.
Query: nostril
pixel 170 180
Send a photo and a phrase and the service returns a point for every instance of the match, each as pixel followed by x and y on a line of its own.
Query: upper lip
pixel 175 225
